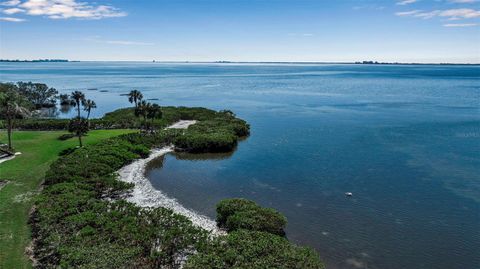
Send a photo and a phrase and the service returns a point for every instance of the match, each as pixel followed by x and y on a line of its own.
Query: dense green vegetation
pixel 236 214
pixel 77 222
pixel 245 249
pixel 38 94
pixel 255 240
pixel 214 131
pixel 13 105
pixel 24 175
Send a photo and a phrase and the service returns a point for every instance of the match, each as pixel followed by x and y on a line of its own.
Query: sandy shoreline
pixel 183 124
pixel 145 195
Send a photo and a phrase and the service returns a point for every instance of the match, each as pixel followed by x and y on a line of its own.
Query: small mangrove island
pixel 82 216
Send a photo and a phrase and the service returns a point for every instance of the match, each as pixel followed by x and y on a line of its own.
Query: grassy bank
pixel 25 174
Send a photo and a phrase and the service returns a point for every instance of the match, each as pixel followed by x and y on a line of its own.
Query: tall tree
pixel 77 97
pixel 39 94
pixel 135 97
pixel 12 106
pixel 88 105
pixel 79 126
pixel 154 112
pixel 142 111
pixel 65 100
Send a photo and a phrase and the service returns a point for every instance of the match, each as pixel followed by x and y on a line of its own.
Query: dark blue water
pixel 404 139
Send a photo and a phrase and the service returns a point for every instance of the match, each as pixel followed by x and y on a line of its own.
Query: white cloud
pixel 11 19
pixel 14 10
pixel 407 13
pixel 369 7
pixel 450 14
pixel 125 42
pixel 406 2
pixel 301 34
pixel 462 13
pixel 460 24
pixel 63 9
pixel 10 3
pixel 427 15
pixel 463 1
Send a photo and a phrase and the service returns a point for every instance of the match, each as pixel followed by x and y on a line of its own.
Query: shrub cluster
pixel 197 142
pixel 215 131
pixel 42 124
pixel 255 240
pixel 220 133
pixel 62 124
pixel 244 249
pixel 237 213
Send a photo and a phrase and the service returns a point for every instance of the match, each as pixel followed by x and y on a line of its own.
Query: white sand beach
pixel 145 195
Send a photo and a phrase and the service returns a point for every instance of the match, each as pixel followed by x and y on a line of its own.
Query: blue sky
pixel 241 30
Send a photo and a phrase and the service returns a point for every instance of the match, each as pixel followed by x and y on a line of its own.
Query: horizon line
pixel 242 62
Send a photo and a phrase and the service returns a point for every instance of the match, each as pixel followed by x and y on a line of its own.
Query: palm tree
pixel 135 97
pixel 80 127
pixel 153 112
pixel 142 110
pixel 12 106
pixel 88 105
pixel 77 97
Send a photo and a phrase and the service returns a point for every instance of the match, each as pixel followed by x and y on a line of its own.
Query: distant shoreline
pixel 36 61
pixel 235 62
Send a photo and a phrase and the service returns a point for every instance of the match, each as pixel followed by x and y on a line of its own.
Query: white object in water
pixel 348 194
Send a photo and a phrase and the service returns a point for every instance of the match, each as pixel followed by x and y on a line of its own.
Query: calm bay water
pixel 404 139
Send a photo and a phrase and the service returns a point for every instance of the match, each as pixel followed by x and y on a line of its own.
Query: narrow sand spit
pixel 183 124
pixel 145 195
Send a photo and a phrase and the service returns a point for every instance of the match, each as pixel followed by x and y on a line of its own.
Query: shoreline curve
pixel 145 195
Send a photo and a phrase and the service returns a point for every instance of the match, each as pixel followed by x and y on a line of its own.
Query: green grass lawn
pixel 25 173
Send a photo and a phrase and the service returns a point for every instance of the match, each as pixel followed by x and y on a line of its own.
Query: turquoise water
pixel 405 140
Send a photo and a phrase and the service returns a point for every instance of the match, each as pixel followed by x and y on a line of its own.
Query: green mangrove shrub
pixel 197 142
pixel 259 219
pixel 245 249
pixel 228 207
pixel 237 213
